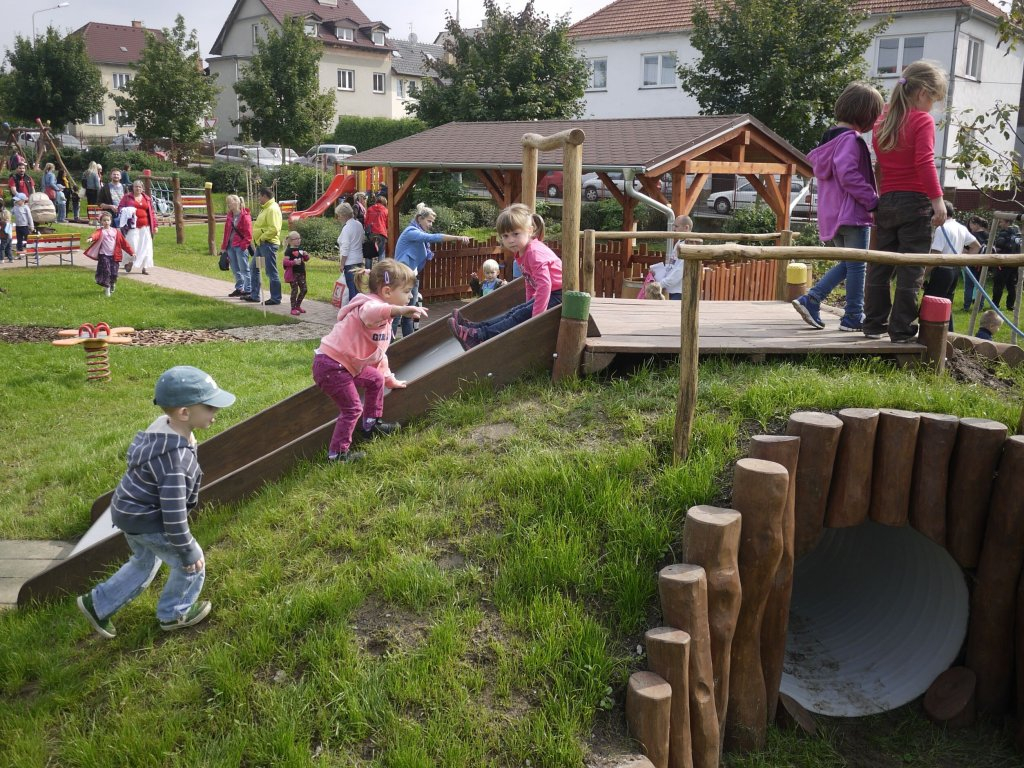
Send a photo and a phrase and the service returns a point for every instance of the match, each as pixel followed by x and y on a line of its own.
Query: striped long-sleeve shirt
pixel 160 487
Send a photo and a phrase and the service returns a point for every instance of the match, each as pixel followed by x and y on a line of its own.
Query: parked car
pixel 550 184
pixel 744 196
pixel 69 141
pixel 324 155
pixel 594 188
pixel 125 141
pixel 261 156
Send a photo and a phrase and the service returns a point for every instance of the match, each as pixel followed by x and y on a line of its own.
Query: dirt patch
pixel 20 334
pixel 489 434
pixel 974 369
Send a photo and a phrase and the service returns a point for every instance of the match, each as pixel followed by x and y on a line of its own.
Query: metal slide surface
pixel 240 460
pixel 343 184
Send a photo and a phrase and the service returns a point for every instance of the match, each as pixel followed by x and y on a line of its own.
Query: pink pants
pixel 343 388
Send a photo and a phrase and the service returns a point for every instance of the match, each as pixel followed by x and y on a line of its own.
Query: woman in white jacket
pixel 350 245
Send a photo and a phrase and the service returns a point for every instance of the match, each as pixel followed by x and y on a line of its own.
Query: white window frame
pixel 972 60
pixel 345 33
pixel 310 28
pixel 379 82
pixel 592 69
pixel 121 80
pixel 661 56
pixel 399 87
pixel 901 61
pixel 346 79
pixel 96 118
pixel 255 34
pixel 121 117
pixel 378 37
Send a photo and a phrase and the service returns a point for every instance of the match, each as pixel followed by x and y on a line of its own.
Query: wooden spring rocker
pixel 95 340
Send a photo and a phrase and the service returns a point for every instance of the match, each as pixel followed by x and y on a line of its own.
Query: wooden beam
pixel 650 187
pixel 739 168
pixel 529 195
pixel 615 192
pixel 692 193
pixel 678 188
pixel 492 185
pixel 574 136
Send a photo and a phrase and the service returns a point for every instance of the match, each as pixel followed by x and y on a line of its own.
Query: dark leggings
pixel 298 289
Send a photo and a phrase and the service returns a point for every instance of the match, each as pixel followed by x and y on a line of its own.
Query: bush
pixel 752 221
pixel 116 158
pixel 650 219
pixel 368 132
pixel 481 213
pixel 230 177
pixel 605 216
pixel 437 188
pixel 319 235
pixel 448 220
pixel 297 182
pixel 808 235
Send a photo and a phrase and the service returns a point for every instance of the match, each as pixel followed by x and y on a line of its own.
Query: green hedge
pixel 448 220
pixel 319 235
pixel 368 132
pixel 297 182
pixel 480 213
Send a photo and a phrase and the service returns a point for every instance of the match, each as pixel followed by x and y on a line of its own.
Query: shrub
pixel 437 188
pixel 368 132
pixel 296 182
pixel 650 219
pixel 808 235
pixel 751 221
pixel 448 220
pixel 319 235
pixel 481 213
pixel 230 177
pixel 116 158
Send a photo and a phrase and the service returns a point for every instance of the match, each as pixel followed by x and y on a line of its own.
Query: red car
pixel 550 184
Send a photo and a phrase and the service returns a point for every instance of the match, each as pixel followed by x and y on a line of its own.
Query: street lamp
pixel 51 8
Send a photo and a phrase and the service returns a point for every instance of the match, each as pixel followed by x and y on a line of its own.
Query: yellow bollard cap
pixel 796 273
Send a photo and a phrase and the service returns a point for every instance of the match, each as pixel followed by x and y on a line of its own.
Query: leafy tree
pixel 280 88
pixel 783 62
pixel 170 94
pixel 51 77
pixel 518 67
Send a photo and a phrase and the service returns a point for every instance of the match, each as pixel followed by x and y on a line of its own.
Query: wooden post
pixel 684 604
pixel 759 492
pixel 893 468
pixel 711 539
pixel 972 468
pixel 147 185
pixel 785 241
pixel 689 349
pixel 819 441
pixel 649 713
pixel 936 435
pixel 211 222
pixel 589 259
pixel 572 335
pixel 784 450
pixel 849 495
pixel 572 190
pixel 530 176
pixel 934 328
pixel 990 633
pixel 668 655
pixel 179 211
pixel 950 700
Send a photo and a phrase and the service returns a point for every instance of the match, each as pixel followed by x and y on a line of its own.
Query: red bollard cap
pixel 935 309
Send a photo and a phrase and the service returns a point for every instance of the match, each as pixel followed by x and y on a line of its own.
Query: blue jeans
pixel 5 248
pixel 407 322
pixel 269 253
pixel 238 258
pixel 851 271
pixel 350 279
pixel 518 314
pixel 148 550
pixel 62 207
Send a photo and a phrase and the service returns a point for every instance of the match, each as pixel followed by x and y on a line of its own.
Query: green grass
pixel 471 595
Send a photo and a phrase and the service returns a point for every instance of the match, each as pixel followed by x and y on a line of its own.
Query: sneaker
pixel 144 271
pixel 380 429
pixel 128 267
pixel 807 307
pixel 467 337
pixel 850 324
pixel 905 340
pixel 271 302
pixel 295 311
pixel 253 299
pixel 346 457
pixel 190 618
pixel 872 334
pixel 460 320
pixel 234 294
pixel 103 627
pixel 301 310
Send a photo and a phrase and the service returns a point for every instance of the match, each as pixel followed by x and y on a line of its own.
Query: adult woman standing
pixel 52 191
pixel 350 245
pixel 237 239
pixel 91 182
pixel 140 238
pixel 413 250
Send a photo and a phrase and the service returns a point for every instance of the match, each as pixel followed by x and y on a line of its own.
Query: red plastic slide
pixel 343 184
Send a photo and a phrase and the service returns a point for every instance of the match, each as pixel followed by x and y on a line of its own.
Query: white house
pixel 409 62
pixel 633 47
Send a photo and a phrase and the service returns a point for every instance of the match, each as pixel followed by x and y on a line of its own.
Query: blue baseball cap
pixel 184 385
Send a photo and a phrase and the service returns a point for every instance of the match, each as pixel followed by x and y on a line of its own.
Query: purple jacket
pixel 846 182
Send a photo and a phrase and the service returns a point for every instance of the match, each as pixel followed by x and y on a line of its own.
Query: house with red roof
pixel 634 46
pixel 115 49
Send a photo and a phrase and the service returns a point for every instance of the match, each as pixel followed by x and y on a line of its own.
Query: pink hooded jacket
pixel 361 336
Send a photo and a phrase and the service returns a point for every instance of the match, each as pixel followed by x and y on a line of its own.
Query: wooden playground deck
pixel 755 328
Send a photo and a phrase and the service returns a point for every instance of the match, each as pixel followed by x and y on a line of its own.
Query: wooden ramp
pixel 757 328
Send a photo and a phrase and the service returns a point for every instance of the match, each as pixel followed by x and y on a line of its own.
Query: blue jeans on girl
pixel 238 259
pixel 518 314
pixel 850 271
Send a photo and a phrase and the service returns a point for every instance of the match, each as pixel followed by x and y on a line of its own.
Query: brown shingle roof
pixel 631 143
pixel 629 17
pixel 114 43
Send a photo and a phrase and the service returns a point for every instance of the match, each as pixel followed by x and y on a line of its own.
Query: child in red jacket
pixel 106 246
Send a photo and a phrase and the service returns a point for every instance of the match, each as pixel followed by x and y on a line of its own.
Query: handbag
pixel 224 263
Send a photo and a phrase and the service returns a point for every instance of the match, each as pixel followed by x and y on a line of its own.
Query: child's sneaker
pixel 295 311
pixel 467 337
pixel 103 627
pixel 190 618
pixel 807 307
pixel 346 457
pixel 301 310
pixel 850 324
pixel 460 320
pixel 380 429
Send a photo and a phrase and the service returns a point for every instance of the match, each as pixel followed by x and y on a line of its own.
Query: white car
pixel 261 156
pixel 326 155
pixel 594 188
pixel 744 196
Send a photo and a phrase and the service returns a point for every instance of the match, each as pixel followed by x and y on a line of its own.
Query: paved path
pixel 20 560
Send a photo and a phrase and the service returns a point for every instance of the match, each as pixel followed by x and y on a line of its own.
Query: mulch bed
pixel 17 334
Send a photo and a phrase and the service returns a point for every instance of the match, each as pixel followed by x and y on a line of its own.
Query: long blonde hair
pixel 518 216
pixel 919 76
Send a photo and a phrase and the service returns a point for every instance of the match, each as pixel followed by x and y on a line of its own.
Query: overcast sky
pixel 424 17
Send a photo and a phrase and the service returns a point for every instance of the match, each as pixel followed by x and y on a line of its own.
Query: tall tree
pixel 280 88
pixel 517 67
pixel 170 93
pixel 51 77
pixel 783 62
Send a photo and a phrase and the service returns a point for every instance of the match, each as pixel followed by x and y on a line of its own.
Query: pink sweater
pixel 910 166
pixel 543 272
pixel 361 336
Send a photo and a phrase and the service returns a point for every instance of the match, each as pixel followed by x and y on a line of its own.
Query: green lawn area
pixel 471 595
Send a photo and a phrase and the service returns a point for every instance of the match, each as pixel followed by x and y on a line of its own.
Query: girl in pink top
pixel 353 356
pixel 911 202
pixel 522 232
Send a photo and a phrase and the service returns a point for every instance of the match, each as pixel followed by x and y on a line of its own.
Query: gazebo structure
pixel 687 148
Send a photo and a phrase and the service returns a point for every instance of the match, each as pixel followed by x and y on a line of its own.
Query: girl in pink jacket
pixel 353 356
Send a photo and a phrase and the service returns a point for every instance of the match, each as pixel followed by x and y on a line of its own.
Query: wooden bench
pixel 93 212
pixel 60 245
pixel 288 207
pixel 193 205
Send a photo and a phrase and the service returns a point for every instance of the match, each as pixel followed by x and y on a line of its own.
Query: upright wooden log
pixel 849 495
pixel 689 327
pixel 979 443
pixel 668 655
pixel 893 467
pixel 936 436
pixel 179 209
pixel 211 221
pixel 950 700
pixel 784 450
pixel 711 539
pixel 934 329
pixel 990 633
pixel 819 440
pixel 759 492
pixel 683 590
pixel 572 335
pixel 648 714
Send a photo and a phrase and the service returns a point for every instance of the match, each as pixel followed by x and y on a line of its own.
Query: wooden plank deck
pixel 726 328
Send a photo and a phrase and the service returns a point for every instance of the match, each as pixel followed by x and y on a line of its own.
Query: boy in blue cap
pixel 151 506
